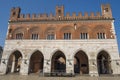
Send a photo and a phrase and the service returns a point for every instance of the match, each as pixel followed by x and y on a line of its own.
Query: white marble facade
pixel 91 47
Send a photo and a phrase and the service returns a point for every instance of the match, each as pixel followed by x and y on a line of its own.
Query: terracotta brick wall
pixel 59 25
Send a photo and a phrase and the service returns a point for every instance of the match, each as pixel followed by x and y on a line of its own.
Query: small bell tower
pixel 15 13
pixel 59 11
pixel 106 10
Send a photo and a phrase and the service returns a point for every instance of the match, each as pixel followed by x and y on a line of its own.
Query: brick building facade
pixel 74 44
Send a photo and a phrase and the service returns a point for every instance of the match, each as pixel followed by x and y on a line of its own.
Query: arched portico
pixel 81 63
pixel 104 63
pixel 58 62
pixel 14 62
pixel 36 62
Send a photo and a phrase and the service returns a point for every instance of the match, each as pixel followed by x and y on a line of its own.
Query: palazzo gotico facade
pixel 47 43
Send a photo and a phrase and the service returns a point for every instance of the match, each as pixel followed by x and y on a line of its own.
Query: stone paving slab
pixel 37 77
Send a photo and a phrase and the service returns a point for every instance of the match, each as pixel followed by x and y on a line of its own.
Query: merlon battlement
pixel 106 13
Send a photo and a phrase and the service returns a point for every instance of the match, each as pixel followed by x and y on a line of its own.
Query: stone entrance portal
pixel 58 62
pixel 104 63
pixel 81 63
pixel 14 62
pixel 36 62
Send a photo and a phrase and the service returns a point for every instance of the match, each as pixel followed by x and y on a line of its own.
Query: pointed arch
pixel 104 62
pixel 83 32
pixel 19 33
pixel 14 62
pixel 34 52
pixel 103 50
pixel 67 32
pixel 67 28
pixel 11 52
pixel 83 28
pixel 50 33
pixel 99 32
pixel 53 52
pixel 19 29
pixel 81 63
pixel 58 62
pixel 36 62
pixel 35 33
pixel 83 50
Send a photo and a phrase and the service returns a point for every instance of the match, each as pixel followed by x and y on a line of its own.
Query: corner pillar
pixel 115 67
pixel 4 67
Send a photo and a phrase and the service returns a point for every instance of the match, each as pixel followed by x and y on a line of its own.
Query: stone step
pixel 37 77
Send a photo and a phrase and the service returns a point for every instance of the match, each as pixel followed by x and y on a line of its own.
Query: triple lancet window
pixel 19 36
pixel 67 35
pixel 101 35
pixel 83 35
pixel 35 36
pixel 50 36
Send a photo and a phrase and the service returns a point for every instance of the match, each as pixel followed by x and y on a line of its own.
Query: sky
pixel 47 6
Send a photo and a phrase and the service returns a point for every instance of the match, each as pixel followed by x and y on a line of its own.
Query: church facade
pixel 77 44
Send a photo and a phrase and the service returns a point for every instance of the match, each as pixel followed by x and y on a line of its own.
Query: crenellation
pixel 59 15
pixel 98 14
pixel 73 14
pixel 80 14
pixel 67 14
pixel 22 16
pixel 33 16
pixel 92 14
pixel 28 16
pixel 86 15
pixel 41 15
pixel 38 16
pixel 44 15
pixel 51 15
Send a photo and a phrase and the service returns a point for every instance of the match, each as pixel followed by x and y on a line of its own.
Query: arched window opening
pixel 35 36
pixel 101 35
pixel 19 36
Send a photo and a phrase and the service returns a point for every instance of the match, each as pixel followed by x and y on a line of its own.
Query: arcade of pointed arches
pixel 58 62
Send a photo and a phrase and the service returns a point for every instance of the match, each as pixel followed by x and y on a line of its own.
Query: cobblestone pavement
pixel 37 77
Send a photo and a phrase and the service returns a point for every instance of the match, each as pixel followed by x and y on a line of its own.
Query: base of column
pixel 94 74
pixel 23 73
pixel 2 73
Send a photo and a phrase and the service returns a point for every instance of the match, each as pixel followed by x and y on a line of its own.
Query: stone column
pixel 47 66
pixel 93 71
pixel 70 66
pixel 24 70
pixel 13 66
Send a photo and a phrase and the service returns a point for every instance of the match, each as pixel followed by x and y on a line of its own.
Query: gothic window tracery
pixel 19 36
